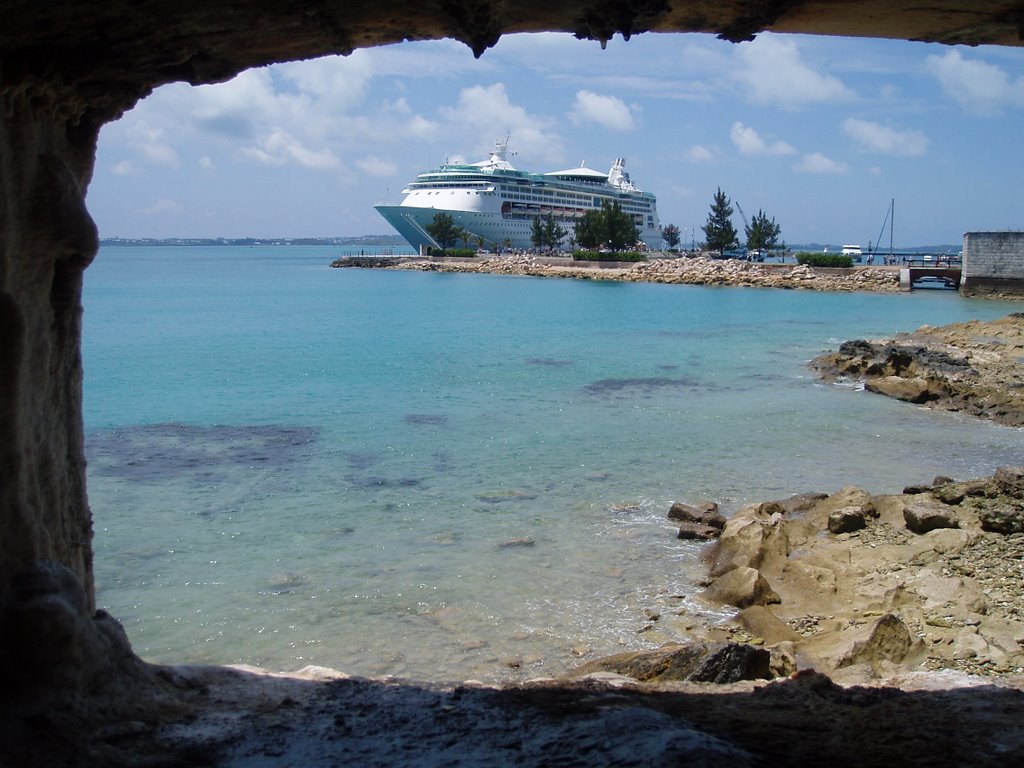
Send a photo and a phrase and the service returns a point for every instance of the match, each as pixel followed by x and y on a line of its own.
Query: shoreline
pixel 868 587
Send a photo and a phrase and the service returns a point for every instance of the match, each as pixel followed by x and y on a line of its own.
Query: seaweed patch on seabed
pixel 550 362
pixel 430 419
pixel 363 460
pixel 155 452
pixel 643 385
pixel 375 481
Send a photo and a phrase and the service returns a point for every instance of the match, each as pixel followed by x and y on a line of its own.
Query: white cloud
pixel 163 207
pixel 816 162
pixel 976 85
pixel 280 148
pixel 698 153
pixel 773 73
pixel 377 166
pixel 206 163
pixel 124 168
pixel 151 144
pixel 749 142
pixel 875 137
pixel 333 82
pixel 484 114
pixel 609 111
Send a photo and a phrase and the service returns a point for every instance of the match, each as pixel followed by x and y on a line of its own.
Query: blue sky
pixel 819 133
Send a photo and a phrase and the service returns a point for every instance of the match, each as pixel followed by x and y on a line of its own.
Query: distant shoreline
pixel 357 241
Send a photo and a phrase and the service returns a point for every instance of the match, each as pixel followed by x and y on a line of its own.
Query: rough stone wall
pixel 68 67
pixel 993 263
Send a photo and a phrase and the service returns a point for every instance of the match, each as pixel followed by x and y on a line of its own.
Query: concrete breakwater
pixel 699 270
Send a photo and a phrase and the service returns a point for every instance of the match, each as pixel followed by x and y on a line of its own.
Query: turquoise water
pixel 453 476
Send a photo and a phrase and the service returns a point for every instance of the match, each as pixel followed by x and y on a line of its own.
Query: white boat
pixel 853 251
pixel 496 203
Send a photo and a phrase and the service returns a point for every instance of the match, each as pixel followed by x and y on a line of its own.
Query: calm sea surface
pixel 454 476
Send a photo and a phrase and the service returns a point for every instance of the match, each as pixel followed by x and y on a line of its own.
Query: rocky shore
pixel 975 367
pixel 699 270
pixel 870 630
pixel 866 630
pixel 866 587
pixel 860 587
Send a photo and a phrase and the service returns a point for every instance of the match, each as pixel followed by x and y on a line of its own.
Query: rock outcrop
pixel 911 586
pixel 974 367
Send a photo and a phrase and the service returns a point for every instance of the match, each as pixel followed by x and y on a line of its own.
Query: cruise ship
pixel 497 204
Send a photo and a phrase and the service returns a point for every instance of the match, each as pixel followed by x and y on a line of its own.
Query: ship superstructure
pixel 495 203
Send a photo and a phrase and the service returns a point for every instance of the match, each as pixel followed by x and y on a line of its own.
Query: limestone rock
pixel 801 502
pixel 912 390
pixel 705 513
pixel 732 663
pixel 922 517
pixel 754 536
pixel 887 639
pixel 846 520
pixel 1002 519
pixel 698 532
pixel 949 493
pixel 699 662
pixel 761 622
pixel 783 661
pixel 849 497
pixel 742 587
pixel 1010 481
pixel 809 576
pixel 970 367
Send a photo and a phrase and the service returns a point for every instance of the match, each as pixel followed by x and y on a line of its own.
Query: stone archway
pixel 66 69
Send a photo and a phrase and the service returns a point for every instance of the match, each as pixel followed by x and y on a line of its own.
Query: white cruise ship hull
pixel 496 204
pixel 497 233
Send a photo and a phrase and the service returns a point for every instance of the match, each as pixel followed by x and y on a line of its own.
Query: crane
pixel 746 224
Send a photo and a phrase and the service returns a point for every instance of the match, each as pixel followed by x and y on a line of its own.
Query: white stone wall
pixel 993 263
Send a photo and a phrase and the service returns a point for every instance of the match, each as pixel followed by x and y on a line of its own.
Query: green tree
pixel 610 226
pixel 719 231
pixel 670 234
pixel 553 232
pixel 546 232
pixel 443 231
pixel 762 234
pixel 587 232
pixel 622 234
pixel 537 233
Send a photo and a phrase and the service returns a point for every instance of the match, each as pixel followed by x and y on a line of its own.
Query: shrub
pixel 462 253
pixel 608 256
pixel 824 259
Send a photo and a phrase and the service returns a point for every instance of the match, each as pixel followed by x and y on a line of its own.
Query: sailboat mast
pixel 892 220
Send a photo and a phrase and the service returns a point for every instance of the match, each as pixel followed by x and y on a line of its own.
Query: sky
pixel 819 133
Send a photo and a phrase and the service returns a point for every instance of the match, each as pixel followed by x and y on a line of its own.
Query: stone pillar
pixel 52 638
pixel 993 263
